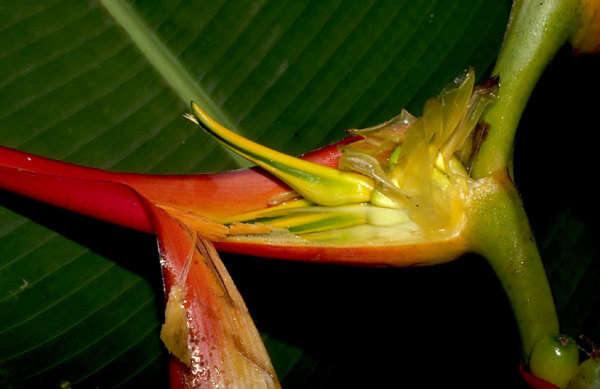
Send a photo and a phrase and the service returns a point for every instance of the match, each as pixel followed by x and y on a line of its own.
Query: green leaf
pixel 104 84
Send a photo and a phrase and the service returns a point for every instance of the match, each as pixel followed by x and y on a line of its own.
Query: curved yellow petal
pixel 319 184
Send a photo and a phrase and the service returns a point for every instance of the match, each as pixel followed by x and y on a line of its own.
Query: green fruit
pixel 555 359
pixel 588 375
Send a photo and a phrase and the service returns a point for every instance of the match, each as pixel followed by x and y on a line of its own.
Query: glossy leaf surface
pixel 80 301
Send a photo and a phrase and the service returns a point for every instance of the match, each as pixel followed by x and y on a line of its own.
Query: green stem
pixel 535 32
pixel 500 232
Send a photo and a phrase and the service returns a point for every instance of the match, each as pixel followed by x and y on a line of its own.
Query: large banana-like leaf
pixel 104 83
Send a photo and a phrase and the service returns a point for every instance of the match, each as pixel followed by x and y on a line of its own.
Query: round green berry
pixel 555 359
pixel 588 375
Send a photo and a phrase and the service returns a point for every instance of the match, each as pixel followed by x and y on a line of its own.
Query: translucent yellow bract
pixel 407 165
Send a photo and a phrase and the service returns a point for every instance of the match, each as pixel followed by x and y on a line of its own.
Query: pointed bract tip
pixel 319 184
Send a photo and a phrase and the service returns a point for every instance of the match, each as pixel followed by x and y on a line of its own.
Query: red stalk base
pixel 535 382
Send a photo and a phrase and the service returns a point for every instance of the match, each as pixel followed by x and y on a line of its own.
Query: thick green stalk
pixel 499 230
pixel 536 30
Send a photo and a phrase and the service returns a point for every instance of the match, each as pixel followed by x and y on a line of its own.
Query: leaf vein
pixel 47 307
pixel 79 351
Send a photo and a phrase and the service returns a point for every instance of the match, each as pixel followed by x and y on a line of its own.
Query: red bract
pixel 136 201
pixel 115 197
pixel 225 349
pixel 222 340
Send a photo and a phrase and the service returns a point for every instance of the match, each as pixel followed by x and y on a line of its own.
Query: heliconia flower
pixel 397 194
pixel 404 210
pixel 411 191
pixel 345 203
pixel 400 208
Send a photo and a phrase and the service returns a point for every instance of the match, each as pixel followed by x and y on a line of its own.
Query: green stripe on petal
pixel 319 184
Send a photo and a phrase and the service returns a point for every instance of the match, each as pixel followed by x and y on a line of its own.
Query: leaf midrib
pixel 164 61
